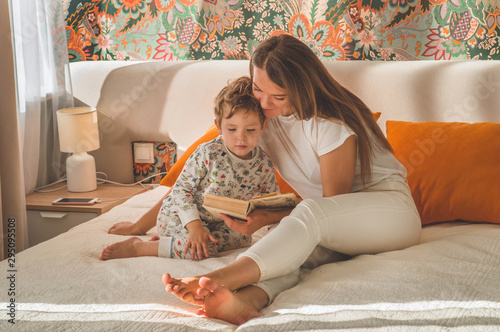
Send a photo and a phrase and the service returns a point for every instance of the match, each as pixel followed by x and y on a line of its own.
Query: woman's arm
pixel 337 168
pixel 141 226
pixel 148 220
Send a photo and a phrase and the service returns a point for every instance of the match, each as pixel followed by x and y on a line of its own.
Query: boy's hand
pixel 124 228
pixel 197 239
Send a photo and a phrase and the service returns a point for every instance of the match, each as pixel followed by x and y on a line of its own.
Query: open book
pixel 239 209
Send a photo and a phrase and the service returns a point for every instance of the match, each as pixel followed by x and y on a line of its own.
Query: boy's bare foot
pixel 219 302
pixel 131 247
pixel 123 249
pixel 124 228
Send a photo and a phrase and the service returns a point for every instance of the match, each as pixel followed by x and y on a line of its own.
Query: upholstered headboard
pixel 173 101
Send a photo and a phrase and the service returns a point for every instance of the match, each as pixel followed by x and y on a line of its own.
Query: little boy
pixel 232 165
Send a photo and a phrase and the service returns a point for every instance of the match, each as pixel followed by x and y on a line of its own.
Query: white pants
pixel 381 218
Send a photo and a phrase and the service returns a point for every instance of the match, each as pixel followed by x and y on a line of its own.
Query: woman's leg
pixel 352 224
pixel 366 222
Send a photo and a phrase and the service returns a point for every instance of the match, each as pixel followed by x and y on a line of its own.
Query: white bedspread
pixel 450 281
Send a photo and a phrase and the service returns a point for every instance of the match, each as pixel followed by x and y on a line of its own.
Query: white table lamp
pixel 78 134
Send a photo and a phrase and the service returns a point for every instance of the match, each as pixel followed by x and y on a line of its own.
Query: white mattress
pixel 451 279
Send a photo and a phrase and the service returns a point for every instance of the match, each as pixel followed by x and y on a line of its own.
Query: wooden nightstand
pixel 46 220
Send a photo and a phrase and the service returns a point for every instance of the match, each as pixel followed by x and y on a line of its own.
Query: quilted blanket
pixel 449 281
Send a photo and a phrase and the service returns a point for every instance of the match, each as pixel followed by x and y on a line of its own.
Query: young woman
pixel 324 142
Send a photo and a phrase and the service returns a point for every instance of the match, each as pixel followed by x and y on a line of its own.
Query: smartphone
pixel 75 201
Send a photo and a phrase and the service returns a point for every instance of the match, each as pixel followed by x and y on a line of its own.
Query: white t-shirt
pixel 295 147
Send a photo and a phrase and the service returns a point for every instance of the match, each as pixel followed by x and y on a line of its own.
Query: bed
pixel 449 281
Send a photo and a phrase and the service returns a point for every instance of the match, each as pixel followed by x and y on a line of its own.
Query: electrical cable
pixel 102 181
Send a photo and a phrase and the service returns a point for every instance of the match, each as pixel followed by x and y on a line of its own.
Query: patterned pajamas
pixel 176 237
pixel 211 169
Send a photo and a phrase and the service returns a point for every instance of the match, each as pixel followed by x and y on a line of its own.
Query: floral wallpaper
pixel 165 155
pixel 169 30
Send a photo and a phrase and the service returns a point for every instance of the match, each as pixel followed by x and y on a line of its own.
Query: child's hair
pixel 237 96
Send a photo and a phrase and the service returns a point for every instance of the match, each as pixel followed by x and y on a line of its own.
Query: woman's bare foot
pixel 131 247
pixel 219 302
pixel 184 288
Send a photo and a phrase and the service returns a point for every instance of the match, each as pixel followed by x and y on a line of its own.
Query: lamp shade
pixel 78 129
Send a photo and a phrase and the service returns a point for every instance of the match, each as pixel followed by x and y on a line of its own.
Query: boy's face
pixel 241 132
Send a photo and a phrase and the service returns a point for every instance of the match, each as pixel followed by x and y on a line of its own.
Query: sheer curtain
pixel 42 86
pixel 11 178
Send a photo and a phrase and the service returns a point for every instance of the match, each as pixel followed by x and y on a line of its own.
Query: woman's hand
pixel 255 220
pixel 247 228
pixel 125 228
pixel 198 238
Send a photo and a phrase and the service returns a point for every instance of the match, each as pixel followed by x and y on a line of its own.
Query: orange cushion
pixel 212 133
pixel 176 169
pixel 453 168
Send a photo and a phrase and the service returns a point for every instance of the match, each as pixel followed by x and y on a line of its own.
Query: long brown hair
pixel 313 92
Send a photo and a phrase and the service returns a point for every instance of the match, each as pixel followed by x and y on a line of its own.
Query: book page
pixel 215 212
pixel 230 206
pixel 276 202
pixel 240 209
